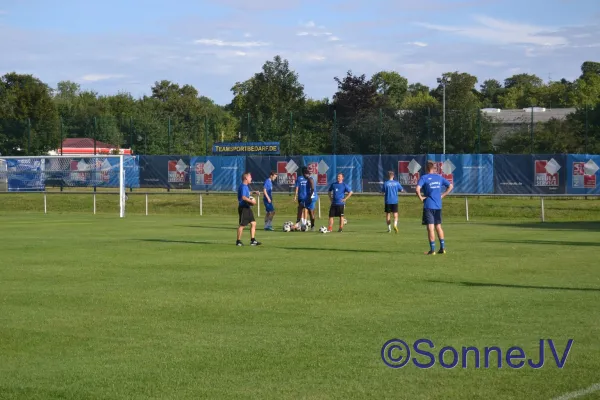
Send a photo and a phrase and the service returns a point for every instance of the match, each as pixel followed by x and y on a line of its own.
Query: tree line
pixel 383 114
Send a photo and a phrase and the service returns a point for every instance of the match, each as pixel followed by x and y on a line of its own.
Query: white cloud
pixel 418 44
pixel 487 63
pixel 333 39
pixel 223 43
pixel 316 57
pixel 100 77
pixel 497 31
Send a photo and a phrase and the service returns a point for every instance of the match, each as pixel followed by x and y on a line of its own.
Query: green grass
pixel 165 306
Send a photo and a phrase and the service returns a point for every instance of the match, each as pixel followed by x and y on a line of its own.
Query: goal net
pixel 38 173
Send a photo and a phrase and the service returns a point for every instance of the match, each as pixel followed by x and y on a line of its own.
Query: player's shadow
pixel 546 242
pixel 333 249
pixel 563 226
pixel 225 228
pixel 513 286
pixel 175 241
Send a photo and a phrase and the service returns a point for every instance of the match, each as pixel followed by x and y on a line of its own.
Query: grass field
pixel 165 306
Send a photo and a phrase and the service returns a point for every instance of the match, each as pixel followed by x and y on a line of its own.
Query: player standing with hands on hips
pixel 390 190
pixel 337 195
pixel 268 200
pixel 431 184
pixel 246 216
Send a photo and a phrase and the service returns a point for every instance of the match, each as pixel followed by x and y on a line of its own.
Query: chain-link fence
pixel 323 130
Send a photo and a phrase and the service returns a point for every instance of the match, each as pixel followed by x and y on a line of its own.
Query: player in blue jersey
pixel 431 185
pixel 390 190
pixel 337 195
pixel 246 216
pixel 310 210
pixel 305 187
pixel 268 201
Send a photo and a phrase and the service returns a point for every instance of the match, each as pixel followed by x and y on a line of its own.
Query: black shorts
pixel 391 208
pixel 432 217
pixel 246 215
pixel 336 211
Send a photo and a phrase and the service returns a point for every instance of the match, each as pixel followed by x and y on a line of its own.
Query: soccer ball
pixel 323 229
pixel 303 227
pixel 345 221
pixel 308 224
pixel 287 227
pixel 251 198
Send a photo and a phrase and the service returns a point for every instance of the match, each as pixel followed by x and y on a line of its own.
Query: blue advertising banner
pixel 246 148
pixel 469 173
pixel 372 177
pixel 217 173
pixel 170 172
pixel 408 169
pixel 25 175
pixel 550 175
pixel 324 170
pixel 583 174
pixel 513 174
pixel 287 169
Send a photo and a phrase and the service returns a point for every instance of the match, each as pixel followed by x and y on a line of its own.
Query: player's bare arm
pixel 419 195
pixel 448 190
pixel 347 197
pixel 248 200
pixel 266 195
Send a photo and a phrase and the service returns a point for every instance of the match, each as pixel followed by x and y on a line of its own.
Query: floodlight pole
pixel 444 117
pixel 444 81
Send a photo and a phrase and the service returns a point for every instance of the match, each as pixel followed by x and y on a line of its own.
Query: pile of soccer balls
pixel 289 226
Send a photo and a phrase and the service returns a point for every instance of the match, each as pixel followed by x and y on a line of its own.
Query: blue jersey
pixel 269 188
pixel 243 190
pixel 431 188
pixel 339 192
pixel 391 189
pixel 304 190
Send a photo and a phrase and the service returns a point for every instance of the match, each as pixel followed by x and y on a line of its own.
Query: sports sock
pixel 312 222
pixel 432 245
pixel 389 227
pixel 442 244
pixel 395 222
pixel 252 240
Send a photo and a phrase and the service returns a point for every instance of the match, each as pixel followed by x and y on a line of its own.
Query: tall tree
pixel 263 103
pixel 392 86
pixel 28 117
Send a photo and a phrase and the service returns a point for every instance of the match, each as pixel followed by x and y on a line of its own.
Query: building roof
pixel 518 116
pixel 85 143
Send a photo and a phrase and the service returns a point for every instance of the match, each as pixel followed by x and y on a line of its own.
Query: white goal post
pixel 34 173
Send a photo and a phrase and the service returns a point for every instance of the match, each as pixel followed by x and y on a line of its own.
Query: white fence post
pixel 200 204
pixel 45 204
pixel 543 216
pixel 467 207
pixel 94 203
pixel 258 204
pixel 319 201
pixel 146 203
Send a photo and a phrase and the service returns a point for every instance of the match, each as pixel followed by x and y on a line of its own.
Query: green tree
pixel 263 103
pixel 392 86
pixel 28 117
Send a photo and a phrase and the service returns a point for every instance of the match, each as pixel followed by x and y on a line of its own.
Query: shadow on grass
pixel 565 226
pixel 511 286
pixel 334 249
pixel 175 241
pixel 221 227
pixel 544 242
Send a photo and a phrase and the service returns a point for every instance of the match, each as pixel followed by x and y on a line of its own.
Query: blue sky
pixel 111 46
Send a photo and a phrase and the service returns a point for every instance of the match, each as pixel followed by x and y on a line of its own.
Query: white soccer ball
pixel 345 221
pixel 308 224
pixel 251 198
pixel 303 227
pixel 287 227
pixel 323 229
